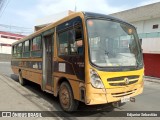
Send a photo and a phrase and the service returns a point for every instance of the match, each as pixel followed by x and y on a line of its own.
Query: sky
pixel 24 13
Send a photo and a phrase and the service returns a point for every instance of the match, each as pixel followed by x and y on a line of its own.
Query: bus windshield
pixel 113 44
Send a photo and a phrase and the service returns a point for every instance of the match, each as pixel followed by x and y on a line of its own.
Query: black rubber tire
pixel 22 81
pixel 73 104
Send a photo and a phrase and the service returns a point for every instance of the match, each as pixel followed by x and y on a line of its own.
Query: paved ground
pixel 30 98
pixel 5 68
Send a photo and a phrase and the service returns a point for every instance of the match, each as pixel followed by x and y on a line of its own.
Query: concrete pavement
pixel 13 96
pixel 152 79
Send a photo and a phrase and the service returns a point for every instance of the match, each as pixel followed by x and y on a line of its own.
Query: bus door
pixel 47 83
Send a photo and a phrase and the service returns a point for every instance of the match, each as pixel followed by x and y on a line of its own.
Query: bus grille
pixel 122 94
pixel 123 80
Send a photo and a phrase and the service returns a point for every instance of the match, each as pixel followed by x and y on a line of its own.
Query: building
pixel 42 22
pixel 6 39
pixel 147 21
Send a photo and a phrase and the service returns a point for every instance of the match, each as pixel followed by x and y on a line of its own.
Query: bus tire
pixel 22 81
pixel 66 98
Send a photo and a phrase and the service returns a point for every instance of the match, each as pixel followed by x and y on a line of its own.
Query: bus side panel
pixel 69 68
pixel 31 70
pixel 32 76
pixel 76 86
pixel 15 70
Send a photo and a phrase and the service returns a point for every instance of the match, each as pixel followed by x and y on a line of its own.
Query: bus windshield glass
pixel 113 44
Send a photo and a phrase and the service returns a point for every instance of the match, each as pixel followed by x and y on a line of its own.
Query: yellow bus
pixel 87 57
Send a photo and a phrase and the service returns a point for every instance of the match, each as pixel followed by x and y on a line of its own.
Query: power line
pixel 7 2
pixel 12 26
pixel 16 29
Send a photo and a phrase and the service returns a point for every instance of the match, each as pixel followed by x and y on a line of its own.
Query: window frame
pixel 14 51
pixel 19 53
pixel 34 51
pixel 67 29
pixel 36 39
pixel 24 51
pixel 155 26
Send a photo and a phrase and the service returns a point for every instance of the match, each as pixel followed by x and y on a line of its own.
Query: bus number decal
pixel 62 67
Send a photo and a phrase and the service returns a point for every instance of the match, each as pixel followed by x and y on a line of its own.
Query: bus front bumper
pixel 102 96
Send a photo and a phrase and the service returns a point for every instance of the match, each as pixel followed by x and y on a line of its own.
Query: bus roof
pixel 52 25
pixel 98 15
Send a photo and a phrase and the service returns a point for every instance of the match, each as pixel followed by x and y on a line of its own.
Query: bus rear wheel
pixel 67 101
pixel 22 81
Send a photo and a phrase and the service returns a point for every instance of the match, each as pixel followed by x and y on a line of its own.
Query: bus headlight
pixel 95 79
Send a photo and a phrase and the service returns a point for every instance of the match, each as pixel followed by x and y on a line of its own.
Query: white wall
pixel 151 45
pixel 146 26
pixel 6 49
pixel 139 25
pixel 7 41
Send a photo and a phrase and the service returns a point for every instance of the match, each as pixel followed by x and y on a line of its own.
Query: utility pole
pixel 75 8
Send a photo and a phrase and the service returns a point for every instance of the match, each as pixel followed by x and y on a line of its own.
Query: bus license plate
pixel 125 99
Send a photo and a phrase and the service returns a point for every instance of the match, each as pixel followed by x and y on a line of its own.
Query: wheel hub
pixel 65 97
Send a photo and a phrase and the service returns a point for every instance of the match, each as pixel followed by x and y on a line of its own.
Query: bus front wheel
pixel 67 101
pixel 21 79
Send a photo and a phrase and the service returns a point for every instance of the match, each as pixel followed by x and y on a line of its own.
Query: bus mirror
pixel 140 40
pixel 142 50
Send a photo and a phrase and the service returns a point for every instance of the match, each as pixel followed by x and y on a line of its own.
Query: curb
pixel 152 79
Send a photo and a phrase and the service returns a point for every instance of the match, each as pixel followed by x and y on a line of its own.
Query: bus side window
pixel 70 38
pixel 14 51
pixel 36 44
pixel 26 50
pixel 79 45
pixel 78 32
pixel 77 41
pixel 72 43
pixel 63 43
pixel 19 50
pixel 36 47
